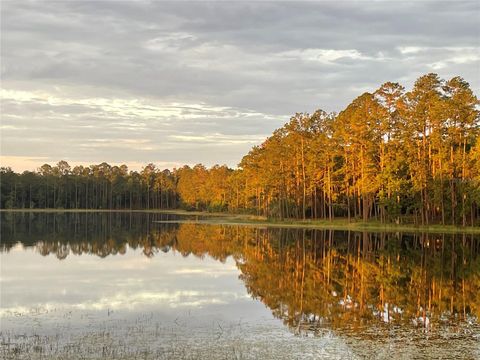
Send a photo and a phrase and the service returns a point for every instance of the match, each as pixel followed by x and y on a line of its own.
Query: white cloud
pixel 130 107
pixel 124 127
pixel 438 65
pixel 410 49
pixel 323 55
pixel 220 139
pixel 170 41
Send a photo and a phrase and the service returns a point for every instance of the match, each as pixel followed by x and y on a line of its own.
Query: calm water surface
pixel 139 286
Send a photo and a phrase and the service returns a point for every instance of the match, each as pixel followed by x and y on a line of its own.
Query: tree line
pixel 391 155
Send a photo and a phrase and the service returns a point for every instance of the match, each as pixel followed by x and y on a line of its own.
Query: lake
pixel 142 286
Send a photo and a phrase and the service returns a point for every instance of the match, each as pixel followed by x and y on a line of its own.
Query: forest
pixel 392 155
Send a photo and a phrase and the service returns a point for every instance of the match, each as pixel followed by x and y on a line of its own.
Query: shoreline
pixel 217 218
pixel 334 225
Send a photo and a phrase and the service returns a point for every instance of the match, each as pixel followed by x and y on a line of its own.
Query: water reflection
pixel 311 279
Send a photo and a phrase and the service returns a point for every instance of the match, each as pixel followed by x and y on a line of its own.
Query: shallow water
pixel 120 285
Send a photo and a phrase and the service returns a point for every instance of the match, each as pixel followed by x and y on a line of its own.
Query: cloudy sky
pixel 180 83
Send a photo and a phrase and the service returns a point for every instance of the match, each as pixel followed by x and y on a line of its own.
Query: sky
pixel 173 83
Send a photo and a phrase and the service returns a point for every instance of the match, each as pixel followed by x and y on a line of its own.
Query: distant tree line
pixel 89 187
pixel 391 155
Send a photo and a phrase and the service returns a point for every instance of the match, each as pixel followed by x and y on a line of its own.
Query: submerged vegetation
pixel 391 156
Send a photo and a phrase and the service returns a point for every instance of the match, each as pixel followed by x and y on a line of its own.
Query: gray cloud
pixel 141 81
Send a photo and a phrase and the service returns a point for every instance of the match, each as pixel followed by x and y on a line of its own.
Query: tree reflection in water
pixel 310 278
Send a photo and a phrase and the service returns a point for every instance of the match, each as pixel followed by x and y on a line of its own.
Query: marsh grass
pixel 338 224
pixel 85 336
pixel 190 337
